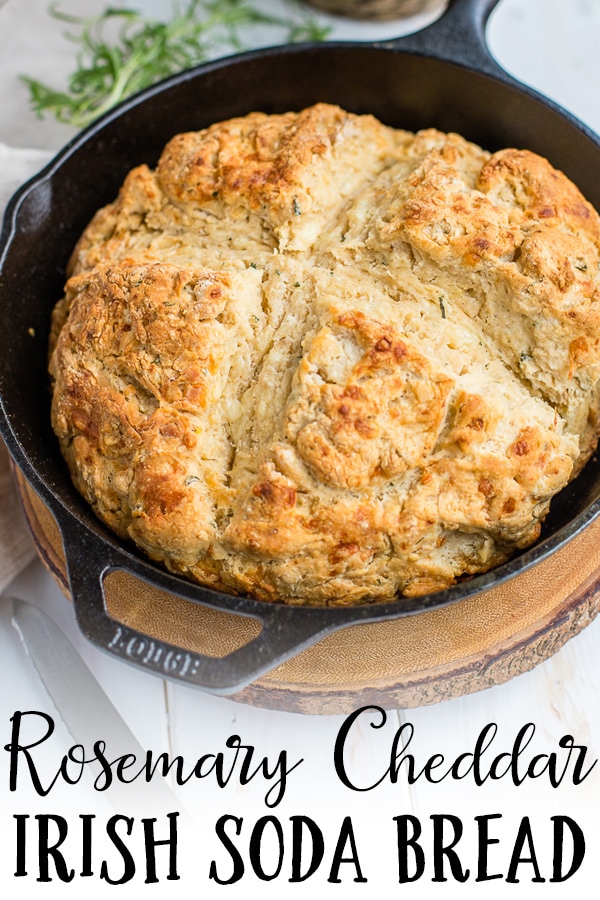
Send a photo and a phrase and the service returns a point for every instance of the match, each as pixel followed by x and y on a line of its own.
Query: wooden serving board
pixel 408 662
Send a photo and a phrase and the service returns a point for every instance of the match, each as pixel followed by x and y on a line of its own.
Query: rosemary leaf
pixel 121 51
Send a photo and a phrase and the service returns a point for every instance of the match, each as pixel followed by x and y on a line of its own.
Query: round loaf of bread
pixel 318 360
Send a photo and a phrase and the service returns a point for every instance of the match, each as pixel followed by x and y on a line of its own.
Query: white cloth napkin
pixel 16 545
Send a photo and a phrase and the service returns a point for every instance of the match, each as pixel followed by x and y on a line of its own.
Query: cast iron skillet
pixel 442 76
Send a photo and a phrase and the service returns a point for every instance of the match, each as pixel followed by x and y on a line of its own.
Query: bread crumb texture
pixel 318 360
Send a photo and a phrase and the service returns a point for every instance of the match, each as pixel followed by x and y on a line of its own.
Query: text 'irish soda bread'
pixel 319 360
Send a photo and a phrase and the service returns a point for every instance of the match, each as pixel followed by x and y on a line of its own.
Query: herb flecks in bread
pixel 324 361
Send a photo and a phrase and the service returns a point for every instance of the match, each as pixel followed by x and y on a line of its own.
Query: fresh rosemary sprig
pixel 121 51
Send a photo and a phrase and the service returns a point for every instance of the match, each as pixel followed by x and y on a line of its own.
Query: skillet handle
pixel 457 36
pixel 285 631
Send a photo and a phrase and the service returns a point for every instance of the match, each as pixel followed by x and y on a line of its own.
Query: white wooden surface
pixel 554 45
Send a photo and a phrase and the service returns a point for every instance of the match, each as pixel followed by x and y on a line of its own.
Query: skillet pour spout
pixel 442 77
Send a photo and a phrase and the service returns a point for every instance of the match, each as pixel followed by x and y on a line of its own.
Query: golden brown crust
pixel 290 170
pixel 319 360
pixel 381 421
